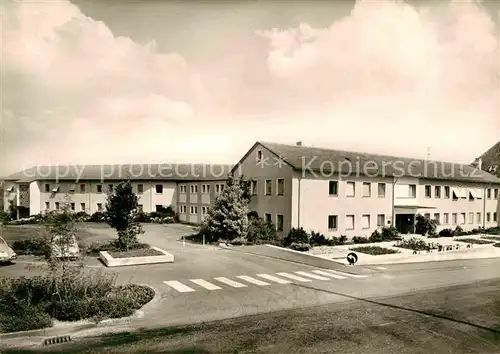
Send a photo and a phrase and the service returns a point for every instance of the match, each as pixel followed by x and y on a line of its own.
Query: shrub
pixel 298 246
pixel 360 240
pixel 318 239
pixel 425 225
pixel 374 250
pixel 140 294
pixel 24 317
pixel 143 217
pixel 98 216
pixel 81 216
pixel 497 244
pixel 296 236
pixel 112 246
pixel 474 241
pixel 458 231
pixel 260 231
pixel 337 241
pixel 376 236
pixel 239 241
pixel 342 239
pixel 446 233
pixel 493 230
pixel 33 246
pixel 4 216
pixel 415 244
pixel 389 233
pixel 252 215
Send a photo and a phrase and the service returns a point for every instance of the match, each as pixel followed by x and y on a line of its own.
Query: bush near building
pixel 374 250
pixel 415 244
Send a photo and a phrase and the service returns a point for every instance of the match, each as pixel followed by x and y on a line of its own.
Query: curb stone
pixel 69 330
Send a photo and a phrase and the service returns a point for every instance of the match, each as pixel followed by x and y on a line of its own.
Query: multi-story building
pixel 188 188
pixel 350 193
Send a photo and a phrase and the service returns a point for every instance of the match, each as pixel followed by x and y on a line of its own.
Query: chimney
pixel 478 163
pixel 298 143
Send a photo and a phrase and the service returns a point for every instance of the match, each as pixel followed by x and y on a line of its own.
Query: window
pixel 221 187
pixel 217 188
pixel 99 206
pixel 279 222
pixel 488 193
pixel 47 205
pixel 55 189
pixel 192 209
pixel 478 218
pixel 204 210
pixel 447 192
pixel 413 191
pixel 140 188
pixel 194 189
pixel 110 188
pixel 367 189
pixel 471 218
pixel 269 187
pixel 196 210
pixel 183 189
pixel 47 187
pixel 72 206
pixel 259 155
pixel 182 209
pixel 350 189
pixel 57 205
pixel 159 188
pixel 427 191
pixel 462 218
pixel 437 191
pixel 365 219
pixel 496 193
pixel 454 219
pixel 381 220
pixel 82 188
pixel 446 218
pixel 381 190
pixel 253 187
pixel 205 189
pixel 99 188
pixel 333 188
pixel 140 208
pixel 349 222
pixel 495 217
pixel 82 206
pixel 72 188
pixel 268 217
pixel 437 217
pixel 280 186
pixel 488 217
pixel 332 222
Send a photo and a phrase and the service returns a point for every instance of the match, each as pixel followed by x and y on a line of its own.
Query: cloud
pixel 389 76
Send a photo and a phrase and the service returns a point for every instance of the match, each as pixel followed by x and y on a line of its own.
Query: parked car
pixel 72 252
pixel 7 254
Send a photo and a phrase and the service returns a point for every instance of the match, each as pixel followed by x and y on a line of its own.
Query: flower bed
pixel 474 241
pixel 374 250
pixel 141 252
pixel 71 295
pixel 495 238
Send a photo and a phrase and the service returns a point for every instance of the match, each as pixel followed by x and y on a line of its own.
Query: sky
pixel 95 82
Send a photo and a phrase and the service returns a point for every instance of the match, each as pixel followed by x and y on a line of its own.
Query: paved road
pixel 461 319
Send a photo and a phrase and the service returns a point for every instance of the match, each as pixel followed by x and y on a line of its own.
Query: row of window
pixel 350 221
pixel 83 188
pixel 193 209
pixel 464 218
pixel 464 193
pixel 268 190
pixel 205 188
pixel 279 220
pixel 333 189
pixel 57 206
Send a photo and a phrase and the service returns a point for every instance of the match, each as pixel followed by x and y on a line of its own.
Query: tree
pixel 227 218
pixel 122 214
pixel 425 225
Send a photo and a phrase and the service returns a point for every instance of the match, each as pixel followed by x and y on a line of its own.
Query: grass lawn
pixel 474 241
pixel 374 250
pixel 142 252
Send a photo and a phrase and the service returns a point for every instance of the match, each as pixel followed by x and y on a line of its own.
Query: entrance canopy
pixel 410 209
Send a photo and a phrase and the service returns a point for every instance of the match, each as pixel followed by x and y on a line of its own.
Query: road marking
pixel 381 268
pixel 230 282
pixel 346 274
pixel 205 284
pixel 321 272
pixel 314 276
pixel 252 280
pixel 294 277
pixel 179 286
pixel 275 279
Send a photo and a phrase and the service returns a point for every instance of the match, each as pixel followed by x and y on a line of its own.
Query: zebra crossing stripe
pixel 273 278
pixel 252 280
pixel 293 277
pixel 329 274
pixel 179 286
pixel 314 276
pixel 230 282
pixel 346 274
pixel 205 284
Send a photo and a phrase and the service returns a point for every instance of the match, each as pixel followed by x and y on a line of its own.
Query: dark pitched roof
pixel 172 172
pixel 358 163
pixel 491 159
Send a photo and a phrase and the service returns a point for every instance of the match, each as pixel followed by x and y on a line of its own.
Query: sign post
pixel 352 258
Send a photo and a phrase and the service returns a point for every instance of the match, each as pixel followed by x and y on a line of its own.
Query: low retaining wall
pixel 110 261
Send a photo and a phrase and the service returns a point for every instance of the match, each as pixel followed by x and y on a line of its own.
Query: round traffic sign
pixel 352 258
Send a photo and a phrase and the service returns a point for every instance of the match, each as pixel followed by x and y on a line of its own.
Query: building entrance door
pixel 405 223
